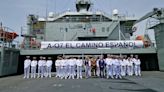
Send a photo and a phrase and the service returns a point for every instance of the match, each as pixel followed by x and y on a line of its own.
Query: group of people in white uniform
pixel 114 66
pixel 118 66
pixel 69 67
pixel 44 67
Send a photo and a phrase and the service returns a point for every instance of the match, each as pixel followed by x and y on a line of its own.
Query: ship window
pixel 73 19
pixel 61 29
pixel 66 29
pixel 77 19
pixel 103 29
pixel 41 37
pixel 107 29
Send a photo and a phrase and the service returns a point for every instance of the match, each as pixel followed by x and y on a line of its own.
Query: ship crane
pixel 156 13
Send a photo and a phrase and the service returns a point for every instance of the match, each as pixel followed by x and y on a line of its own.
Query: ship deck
pixel 88 51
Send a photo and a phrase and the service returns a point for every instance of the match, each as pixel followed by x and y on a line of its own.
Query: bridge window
pixel 103 29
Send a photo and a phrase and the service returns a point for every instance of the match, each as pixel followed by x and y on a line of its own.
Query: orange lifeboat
pixel 7 36
pixel 142 38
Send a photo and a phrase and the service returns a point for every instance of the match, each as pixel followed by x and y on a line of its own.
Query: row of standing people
pixel 113 66
pixel 118 66
pixel 44 67
pixel 69 67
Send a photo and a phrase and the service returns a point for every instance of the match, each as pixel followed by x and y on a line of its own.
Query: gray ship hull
pixel 9 58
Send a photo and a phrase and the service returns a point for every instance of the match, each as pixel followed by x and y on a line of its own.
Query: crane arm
pixel 155 11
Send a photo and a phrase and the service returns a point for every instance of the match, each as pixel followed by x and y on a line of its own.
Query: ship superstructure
pixel 80 25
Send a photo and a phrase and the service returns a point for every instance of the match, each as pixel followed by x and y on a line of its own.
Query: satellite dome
pixel 50 14
pixel 115 12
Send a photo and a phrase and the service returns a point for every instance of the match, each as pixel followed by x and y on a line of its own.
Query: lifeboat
pixel 7 36
pixel 142 38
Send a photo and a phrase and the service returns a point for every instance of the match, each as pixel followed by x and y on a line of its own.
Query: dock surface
pixel 148 82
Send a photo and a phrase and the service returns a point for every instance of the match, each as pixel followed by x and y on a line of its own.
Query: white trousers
pixel 27 72
pixel 98 71
pixel 137 70
pixel 64 72
pixel 118 72
pixel 71 72
pixel 130 70
pixel 79 72
pixel 111 71
pixel 33 72
pixel 123 70
pixel 40 71
pixel 48 71
pixel 57 71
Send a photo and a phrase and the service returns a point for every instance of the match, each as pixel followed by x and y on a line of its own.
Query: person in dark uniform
pixel 102 66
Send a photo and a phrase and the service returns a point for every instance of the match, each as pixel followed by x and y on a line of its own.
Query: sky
pixel 13 13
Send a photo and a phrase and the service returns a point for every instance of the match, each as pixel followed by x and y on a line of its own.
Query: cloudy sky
pixel 13 13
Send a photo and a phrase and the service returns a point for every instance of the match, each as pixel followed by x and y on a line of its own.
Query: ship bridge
pixel 84 25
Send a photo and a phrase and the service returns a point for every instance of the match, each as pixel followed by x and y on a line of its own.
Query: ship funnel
pixel 83 5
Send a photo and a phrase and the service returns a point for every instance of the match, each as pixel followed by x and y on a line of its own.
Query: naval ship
pixel 85 25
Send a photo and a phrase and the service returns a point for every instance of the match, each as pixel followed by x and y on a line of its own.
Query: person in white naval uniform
pixel 67 67
pixel 62 71
pixel 97 67
pixel 74 66
pixel 40 67
pixel 65 63
pixel 27 63
pixel 137 64
pixel 79 64
pixel 123 66
pixel 126 61
pixel 130 66
pixel 132 59
pixel 49 67
pixel 44 66
pixel 71 68
pixel 107 61
pixel 114 67
pixel 33 67
pixel 90 67
pixel 57 64
pixel 117 64
pixel 110 66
